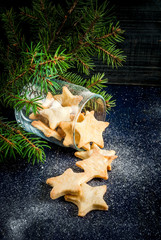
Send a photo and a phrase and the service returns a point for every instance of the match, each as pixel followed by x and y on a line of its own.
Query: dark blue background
pixel 133 187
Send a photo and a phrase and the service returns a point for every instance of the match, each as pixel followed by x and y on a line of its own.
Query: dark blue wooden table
pixel 133 187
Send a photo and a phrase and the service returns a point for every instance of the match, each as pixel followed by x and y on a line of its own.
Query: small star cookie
pixel 110 155
pixel 55 116
pixel 46 130
pixel 91 199
pixel 67 98
pixel 67 183
pixel 95 166
pixel 90 130
pixel 67 128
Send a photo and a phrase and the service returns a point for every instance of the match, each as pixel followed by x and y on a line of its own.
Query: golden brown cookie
pixel 90 199
pixel 67 98
pixel 67 128
pixel 46 130
pixel 91 130
pixel 109 155
pixel 55 116
pixel 67 183
pixel 95 166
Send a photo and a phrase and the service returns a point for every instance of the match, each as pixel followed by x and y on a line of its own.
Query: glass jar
pixel 90 102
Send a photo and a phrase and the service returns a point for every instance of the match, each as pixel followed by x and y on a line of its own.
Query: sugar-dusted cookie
pixel 46 130
pixel 55 116
pixel 109 154
pixel 90 130
pixel 91 199
pixel 95 166
pixel 67 98
pixel 67 183
pixel 55 104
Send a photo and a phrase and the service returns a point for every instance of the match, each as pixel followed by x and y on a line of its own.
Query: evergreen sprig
pixel 14 141
pixel 59 42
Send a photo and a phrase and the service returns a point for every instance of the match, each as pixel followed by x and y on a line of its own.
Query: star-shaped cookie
pixel 46 130
pixel 67 128
pixel 67 98
pixel 55 116
pixel 95 166
pixel 67 183
pixel 90 130
pixel 91 199
pixel 109 154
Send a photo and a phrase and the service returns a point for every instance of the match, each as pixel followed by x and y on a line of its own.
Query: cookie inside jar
pixel 71 117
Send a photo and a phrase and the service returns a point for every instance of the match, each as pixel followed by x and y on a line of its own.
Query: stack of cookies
pixel 73 186
pixel 57 116
pixel 56 119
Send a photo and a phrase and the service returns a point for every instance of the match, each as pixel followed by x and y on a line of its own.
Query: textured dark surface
pixel 133 187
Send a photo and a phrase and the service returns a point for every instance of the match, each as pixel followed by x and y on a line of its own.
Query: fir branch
pixel 72 78
pixel 7 141
pixel 63 78
pixel 113 33
pixel 18 102
pixel 80 42
pixel 11 24
pixel 110 103
pixel 28 15
pixel 62 24
pixel 64 45
pixel 96 81
pixel 43 9
pixel 107 52
pixel 58 60
pixel 84 65
pixel 21 142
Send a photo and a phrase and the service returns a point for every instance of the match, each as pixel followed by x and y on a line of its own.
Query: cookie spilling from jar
pixel 74 185
pixel 58 119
